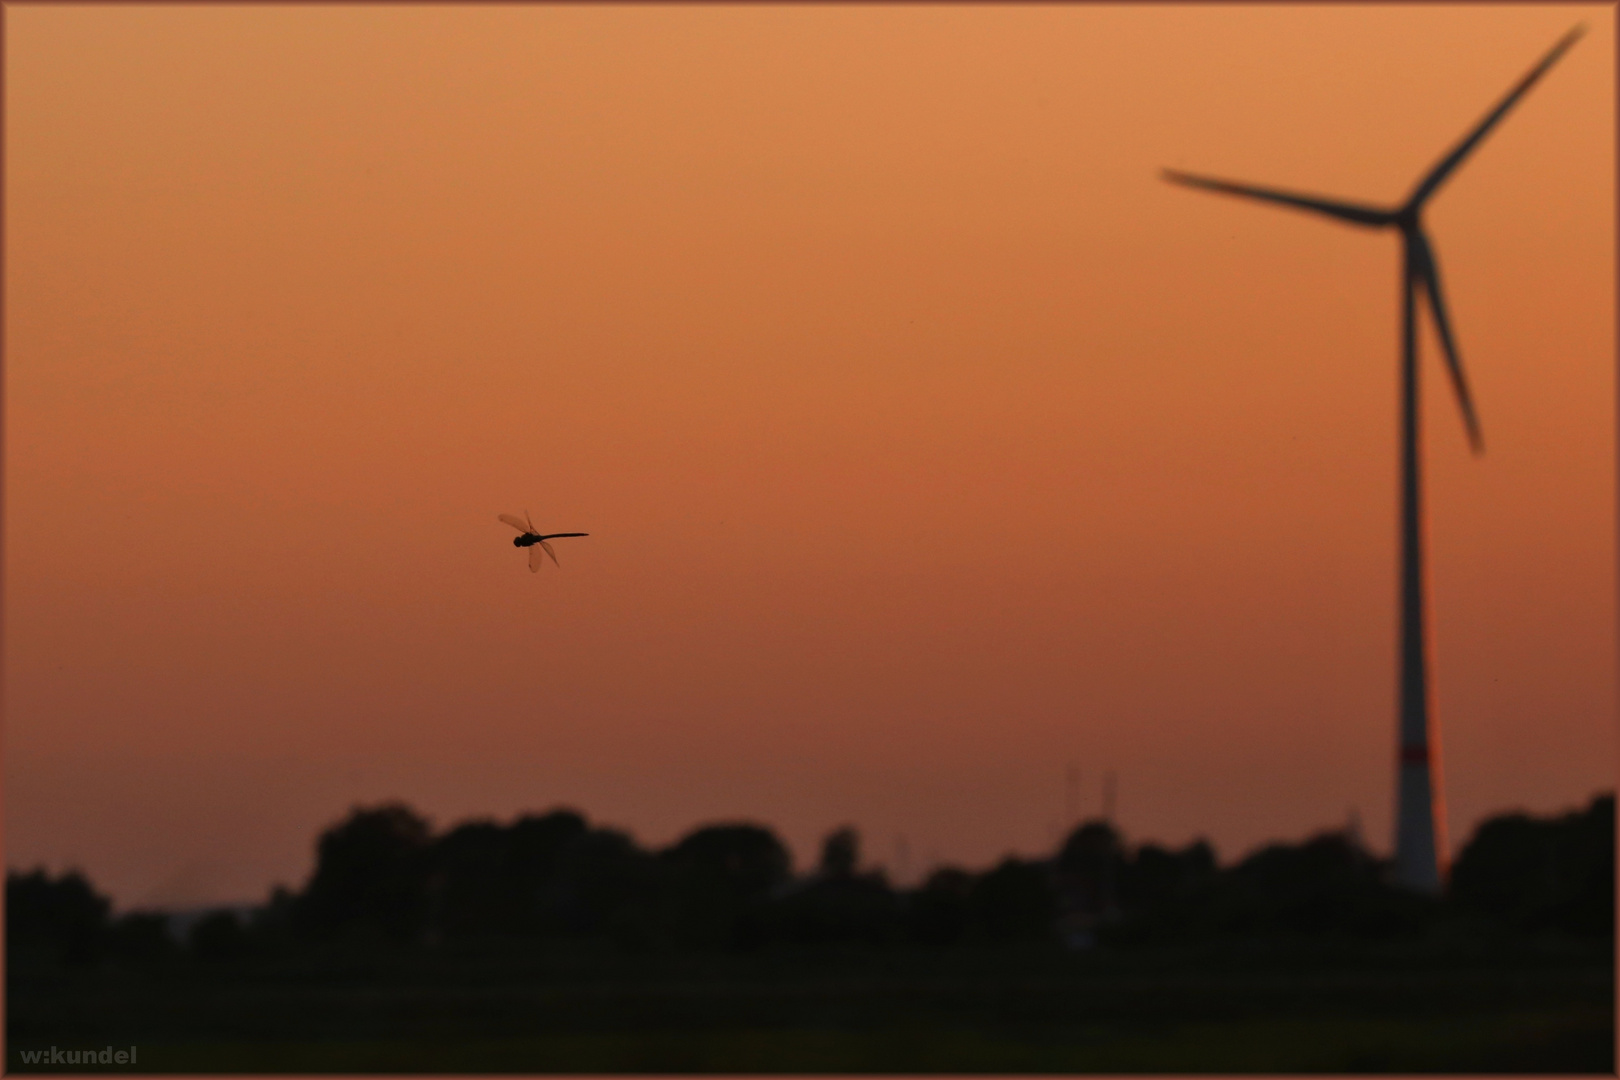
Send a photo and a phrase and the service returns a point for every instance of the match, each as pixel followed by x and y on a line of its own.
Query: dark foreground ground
pixel 1524 1006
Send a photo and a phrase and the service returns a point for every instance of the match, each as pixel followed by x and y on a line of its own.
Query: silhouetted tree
pixel 717 881
pixel 1089 865
pixel 540 844
pixel 1542 873
pixel 840 852
pixel 370 879
pixel 1328 884
pixel 1155 877
pixel 1085 878
pixel 837 904
pixel 54 920
pixel 492 880
pixel 1015 901
pixel 604 885
pixel 940 913
pixel 1165 894
pixel 473 882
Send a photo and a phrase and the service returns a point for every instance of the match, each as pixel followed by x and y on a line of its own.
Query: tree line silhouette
pixel 384 880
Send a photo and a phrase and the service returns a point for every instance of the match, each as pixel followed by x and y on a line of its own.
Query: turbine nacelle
pixel 1420 270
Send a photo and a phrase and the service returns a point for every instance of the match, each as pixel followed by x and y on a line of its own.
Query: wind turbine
pixel 1420 813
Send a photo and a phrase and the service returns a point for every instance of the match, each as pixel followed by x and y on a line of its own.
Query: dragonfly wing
pixel 536 560
pixel 530 520
pixel 514 522
pixel 553 554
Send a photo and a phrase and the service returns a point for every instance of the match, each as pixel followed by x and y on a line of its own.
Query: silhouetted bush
pixel 273 928
pixel 54 920
pixel 1156 876
pixel 940 912
pixel 219 936
pixel 142 937
pixel 859 909
pixel 1014 902
pixel 1301 887
pixel 1326 885
pixel 1541 873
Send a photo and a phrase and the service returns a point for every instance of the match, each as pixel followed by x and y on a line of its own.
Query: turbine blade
pixel 1356 213
pixel 1447 164
pixel 1429 273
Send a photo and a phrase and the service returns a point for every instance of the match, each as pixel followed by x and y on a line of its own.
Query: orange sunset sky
pixel 927 441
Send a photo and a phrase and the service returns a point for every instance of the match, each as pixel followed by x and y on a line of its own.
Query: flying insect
pixel 533 540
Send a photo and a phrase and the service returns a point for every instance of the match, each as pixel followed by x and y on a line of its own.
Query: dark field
pixel 1469 1005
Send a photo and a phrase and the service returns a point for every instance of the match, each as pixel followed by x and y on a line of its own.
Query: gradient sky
pixel 928 442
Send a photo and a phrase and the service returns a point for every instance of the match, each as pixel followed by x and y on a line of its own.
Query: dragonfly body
pixel 533 539
pixel 530 539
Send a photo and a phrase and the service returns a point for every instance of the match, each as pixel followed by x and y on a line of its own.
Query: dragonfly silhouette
pixel 532 539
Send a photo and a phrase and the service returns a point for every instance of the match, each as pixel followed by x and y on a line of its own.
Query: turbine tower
pixel 1420 831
